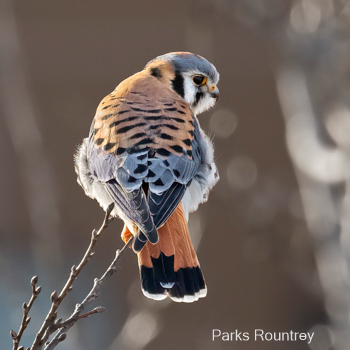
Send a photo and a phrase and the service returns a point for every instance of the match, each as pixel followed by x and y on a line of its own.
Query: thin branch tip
pixel 96 310
pixel 100 309
pixel 51 324
pixel 34 280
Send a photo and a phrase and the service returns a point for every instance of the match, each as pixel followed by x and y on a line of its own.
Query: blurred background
pixel 273 240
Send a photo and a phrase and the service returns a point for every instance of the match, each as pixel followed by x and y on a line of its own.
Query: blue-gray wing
pixel 145 151
pixel 146 198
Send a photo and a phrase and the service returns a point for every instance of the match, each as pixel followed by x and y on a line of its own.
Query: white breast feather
pixel 91 185
pixel 205 179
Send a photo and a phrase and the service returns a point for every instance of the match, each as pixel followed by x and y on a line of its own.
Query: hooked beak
pixel 214 93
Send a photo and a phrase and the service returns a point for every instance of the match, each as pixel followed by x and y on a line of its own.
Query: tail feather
pixel 170 267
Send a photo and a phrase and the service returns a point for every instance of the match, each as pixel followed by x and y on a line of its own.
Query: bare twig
pixel 50 326
pixel 96 310
pixel 25 319
pixel 93 294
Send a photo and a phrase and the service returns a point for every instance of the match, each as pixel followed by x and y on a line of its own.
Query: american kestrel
pixel 147 153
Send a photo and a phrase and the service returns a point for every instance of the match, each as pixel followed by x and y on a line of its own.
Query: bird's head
pixel 191 76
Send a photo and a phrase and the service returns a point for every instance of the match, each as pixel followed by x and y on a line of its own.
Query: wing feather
pixel 162 206
pixel 134 206
pixel 135 139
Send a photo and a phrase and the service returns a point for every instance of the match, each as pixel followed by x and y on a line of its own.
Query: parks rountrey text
pixel 260 335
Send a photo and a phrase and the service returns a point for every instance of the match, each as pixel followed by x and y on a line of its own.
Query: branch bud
pixel 13 334
pixel 24 306
pixel 28 320
pixel 34 280
pixel 78 307
pixel 58 321
pixel 21 348
pixel 99 309
pixel 38 290
pixel 110 208
pixel 62 337
pixel 54 296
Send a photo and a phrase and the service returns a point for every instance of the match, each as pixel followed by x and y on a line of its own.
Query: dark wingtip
pixel 141 239
pixel 138 244
pixel 153 236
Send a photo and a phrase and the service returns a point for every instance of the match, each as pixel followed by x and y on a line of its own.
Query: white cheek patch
pixel 204 104
pixel 190 91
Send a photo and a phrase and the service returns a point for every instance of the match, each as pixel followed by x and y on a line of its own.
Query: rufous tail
pixel 170 267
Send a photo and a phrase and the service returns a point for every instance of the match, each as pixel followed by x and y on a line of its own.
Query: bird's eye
pixel 199 79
